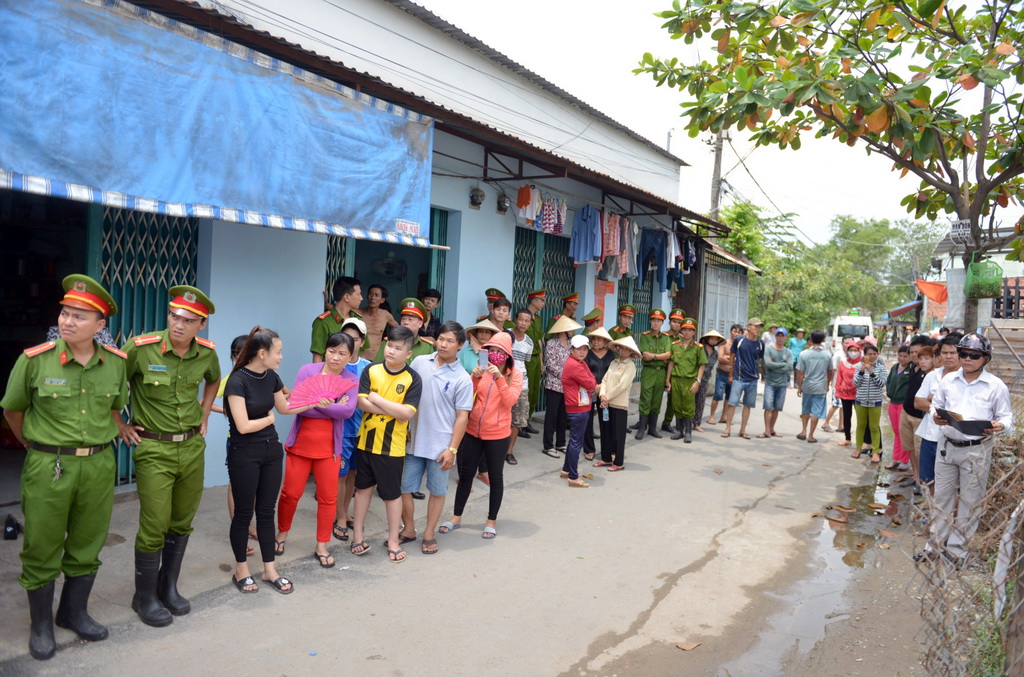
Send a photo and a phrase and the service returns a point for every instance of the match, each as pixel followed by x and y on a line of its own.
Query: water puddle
pixel 841 542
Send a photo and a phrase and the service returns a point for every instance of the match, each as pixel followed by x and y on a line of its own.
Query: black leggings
pixel 613 436
pixel 255 470
pixel 848 422
pixel 555 421
pixel 472 449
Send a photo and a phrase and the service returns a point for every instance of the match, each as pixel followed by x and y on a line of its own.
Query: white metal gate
pixel 725 300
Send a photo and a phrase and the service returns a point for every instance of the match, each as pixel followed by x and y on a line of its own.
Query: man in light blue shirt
pixel 796 344
pixel 813 378
pixel 445 402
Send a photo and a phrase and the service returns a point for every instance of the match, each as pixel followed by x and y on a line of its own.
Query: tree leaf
pixel 967 81
pixel 878 120
pixel 778 20
pixel 723 43
pixel 968 140
pixel 1005 48
pixel 872 21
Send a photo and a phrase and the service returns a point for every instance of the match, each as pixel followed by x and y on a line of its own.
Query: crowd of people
pixel 396 404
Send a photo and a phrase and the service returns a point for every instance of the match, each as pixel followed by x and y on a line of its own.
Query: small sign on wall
pixel 407 227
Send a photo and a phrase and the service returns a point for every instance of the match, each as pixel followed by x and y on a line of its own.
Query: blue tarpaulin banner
pixel 105 102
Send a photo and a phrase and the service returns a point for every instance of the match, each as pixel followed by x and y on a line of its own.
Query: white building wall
pixel 257 275
pixel 377 38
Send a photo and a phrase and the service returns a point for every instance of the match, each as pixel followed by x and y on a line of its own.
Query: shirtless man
pixel 377 320
pixel 723 371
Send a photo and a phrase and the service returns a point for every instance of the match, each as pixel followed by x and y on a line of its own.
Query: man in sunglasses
pixel 964 460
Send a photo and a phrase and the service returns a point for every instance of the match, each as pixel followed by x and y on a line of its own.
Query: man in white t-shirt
pixel 522 351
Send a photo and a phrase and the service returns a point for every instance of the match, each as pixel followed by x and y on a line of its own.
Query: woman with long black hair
pixel 253 392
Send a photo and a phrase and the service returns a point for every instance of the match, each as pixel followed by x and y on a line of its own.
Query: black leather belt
pixel 967 443
pixel 68 451
pixel 170 437
pixel 658 367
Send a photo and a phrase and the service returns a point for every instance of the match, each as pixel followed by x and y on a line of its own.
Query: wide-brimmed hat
pixel 564 324
pixel 502 341
pixel 711 334
pixel 483 324
pixel 600 332
pixel 627 343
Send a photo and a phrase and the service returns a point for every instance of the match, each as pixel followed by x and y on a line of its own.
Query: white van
pixel 848 325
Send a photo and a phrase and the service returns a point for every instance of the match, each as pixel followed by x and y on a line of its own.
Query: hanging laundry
pixel 610 236
pixel 548 215
pixel 585 241
pixel 630 234
pixel 523 197
pixel 560 215
pixel 653 249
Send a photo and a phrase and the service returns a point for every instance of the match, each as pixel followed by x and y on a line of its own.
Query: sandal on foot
pixel 396 556
pixel 776 435
pixel 326 561
pixel 249 551
pixel 712 421
pixel 589 457
pixel 448 527
pixel 615 468
pixel 726 435
pixel 846 443
pixel 578 484
pixel 484 477
pixel 278 548
pixel 428 543
pixel 828 429
pixel 489 534
pixel 279 584
pixel 244 583
pixel 362 548
pixel 511 459
pixel 801 437
pixel 762 436
pixel 893 466
pixel 402 540
pixel 855 454
pixel 601 464
pixel 745 436
pixel 553 453
pixel 698 429
pixel 339 532
pixel 876 458
pixel 811 440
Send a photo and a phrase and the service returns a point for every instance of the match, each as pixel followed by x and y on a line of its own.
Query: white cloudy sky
pixel 589 47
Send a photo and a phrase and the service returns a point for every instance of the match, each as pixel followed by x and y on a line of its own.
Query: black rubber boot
pixel 680 427
pixel 666 426
pixel 652 427
pixel 639 424
pixel 641 427
pixel 41 643
pixel 167 584
pixel 687 430
pixel 73 610
pixel 145 602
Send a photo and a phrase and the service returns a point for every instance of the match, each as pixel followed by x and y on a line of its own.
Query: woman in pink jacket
pixel 496 389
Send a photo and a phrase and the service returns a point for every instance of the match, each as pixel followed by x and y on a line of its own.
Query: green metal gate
pixel 542 260
pixel 438 257
pixel 142 256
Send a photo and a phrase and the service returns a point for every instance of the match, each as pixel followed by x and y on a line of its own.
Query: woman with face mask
pixel 846 391
pixel 496 388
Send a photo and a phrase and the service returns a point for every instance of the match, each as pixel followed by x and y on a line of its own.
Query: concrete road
pixel 679 547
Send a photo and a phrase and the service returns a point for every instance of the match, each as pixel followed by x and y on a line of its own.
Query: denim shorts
pixel 774 397
pixel 926 464
pixel 416 467
pixel 722 387
pixel 747 390
pixel 813 405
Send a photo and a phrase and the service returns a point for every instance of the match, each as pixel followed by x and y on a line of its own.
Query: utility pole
pixel 716 176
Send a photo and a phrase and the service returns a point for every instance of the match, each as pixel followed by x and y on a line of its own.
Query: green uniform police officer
pixel 165 370
pixel 414 314
pixel 61 401
pixel 655 349
pixel 346 295
pixel 675 321
pixel 687 366
pixel 569 305
pixel 622 329
pixel 591 321
pixel 535 365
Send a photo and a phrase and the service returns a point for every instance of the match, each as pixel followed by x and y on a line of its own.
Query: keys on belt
pixel 169 437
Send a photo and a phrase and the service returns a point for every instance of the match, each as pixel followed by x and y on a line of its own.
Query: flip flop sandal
pixel 876 460
pixel 776 435
pixel 279 547
pixel 242 584
pixel 279 584
pixel 811 440
pixel 828 428
pixel 429 543
pixel 489 534
pixel 589 457
pixel 553 453
pixel 511 460
pixel 745 436
pixel 801 437
pixel 893 466
pixel 339 532
pixel 448 527
pixel 350 523
pixel 406 539
pixel 364 548
pixel 396 556
pixel 616 468
pixel 601 464
pixel 323 559
pixel 762 436
pixel 726 435
pixel 249 551
pixel 855 454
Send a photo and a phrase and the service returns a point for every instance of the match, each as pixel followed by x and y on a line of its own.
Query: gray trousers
pixel 966 469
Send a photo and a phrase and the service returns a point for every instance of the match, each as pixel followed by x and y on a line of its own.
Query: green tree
pixel 929 86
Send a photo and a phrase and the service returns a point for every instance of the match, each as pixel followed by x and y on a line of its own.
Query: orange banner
pixel 936 291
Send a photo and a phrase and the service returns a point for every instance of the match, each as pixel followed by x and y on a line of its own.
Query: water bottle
pixel 604 414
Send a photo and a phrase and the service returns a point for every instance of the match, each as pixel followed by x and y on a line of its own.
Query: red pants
pixel 296 472
pixel 899 454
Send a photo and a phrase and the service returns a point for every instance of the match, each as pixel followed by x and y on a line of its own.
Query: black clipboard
pixel 972 428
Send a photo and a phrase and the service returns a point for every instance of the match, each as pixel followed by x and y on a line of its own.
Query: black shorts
pixel 380 470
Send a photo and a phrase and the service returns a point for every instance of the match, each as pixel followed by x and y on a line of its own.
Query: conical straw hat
pixel 628 343
pixel 563 324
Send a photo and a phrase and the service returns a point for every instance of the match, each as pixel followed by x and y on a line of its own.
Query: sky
pixel 590 47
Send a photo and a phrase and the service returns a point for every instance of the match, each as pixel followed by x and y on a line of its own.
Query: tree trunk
pixel 970 315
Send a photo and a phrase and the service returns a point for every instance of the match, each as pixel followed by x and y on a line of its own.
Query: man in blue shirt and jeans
pixel 748 350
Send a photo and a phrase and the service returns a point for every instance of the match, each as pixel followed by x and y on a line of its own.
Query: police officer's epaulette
pixel 677 343
pixel 428 340
pixel 206 343
pixel 39 349
pixel 647 332
pixel 112 349
pixel 146 340
pixel 698 344
pixel 617 328
pixel 323 315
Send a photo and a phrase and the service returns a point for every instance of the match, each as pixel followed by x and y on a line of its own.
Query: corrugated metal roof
pixel 477 45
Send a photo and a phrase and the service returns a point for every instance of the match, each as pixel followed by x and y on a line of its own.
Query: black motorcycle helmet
pixel 977 342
